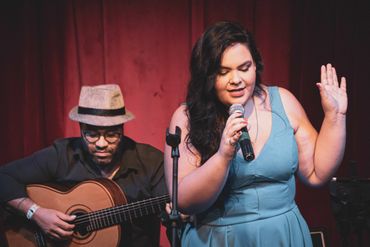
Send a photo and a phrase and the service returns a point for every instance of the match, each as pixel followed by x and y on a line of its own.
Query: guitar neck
pixel 116 215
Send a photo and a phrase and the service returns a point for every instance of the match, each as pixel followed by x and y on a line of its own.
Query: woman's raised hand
pixel 333 94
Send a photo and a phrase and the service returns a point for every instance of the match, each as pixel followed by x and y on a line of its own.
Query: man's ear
pixel 82 127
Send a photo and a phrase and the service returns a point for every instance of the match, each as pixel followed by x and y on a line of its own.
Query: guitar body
pixel 88 196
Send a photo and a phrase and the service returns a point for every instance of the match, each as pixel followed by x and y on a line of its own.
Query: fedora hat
pixel 101 105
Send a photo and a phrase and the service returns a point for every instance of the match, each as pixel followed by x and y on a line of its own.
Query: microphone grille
pixel 236 108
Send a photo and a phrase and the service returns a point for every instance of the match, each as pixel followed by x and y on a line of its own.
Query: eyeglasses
pixel 92 136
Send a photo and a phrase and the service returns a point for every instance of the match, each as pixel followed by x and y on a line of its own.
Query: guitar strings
pixel 94 217
pixel 127 207
pixel 121 209
pixel 109 217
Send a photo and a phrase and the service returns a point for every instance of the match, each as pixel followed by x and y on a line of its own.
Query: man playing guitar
pixel 101 153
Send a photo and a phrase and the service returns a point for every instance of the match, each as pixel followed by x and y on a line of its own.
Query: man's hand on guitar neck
pixel 52 222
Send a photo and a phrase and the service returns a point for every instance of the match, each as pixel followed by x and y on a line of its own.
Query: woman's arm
pixel 321 153
pixel 200 185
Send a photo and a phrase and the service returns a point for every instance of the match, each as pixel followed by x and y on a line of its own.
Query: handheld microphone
pixel 244 140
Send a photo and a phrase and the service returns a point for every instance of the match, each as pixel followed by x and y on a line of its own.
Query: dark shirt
pixel 140 176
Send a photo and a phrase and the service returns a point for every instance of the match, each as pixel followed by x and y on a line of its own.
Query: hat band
pixel 101 112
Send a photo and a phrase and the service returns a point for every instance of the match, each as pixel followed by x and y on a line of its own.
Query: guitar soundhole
pixel 81 229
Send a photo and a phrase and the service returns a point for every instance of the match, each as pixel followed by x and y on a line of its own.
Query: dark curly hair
pixel 207 115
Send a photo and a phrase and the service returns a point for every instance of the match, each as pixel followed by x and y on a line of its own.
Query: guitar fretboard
pixel 115 215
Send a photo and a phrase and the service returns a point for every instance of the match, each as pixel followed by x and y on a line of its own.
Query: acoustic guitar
pixel 100 206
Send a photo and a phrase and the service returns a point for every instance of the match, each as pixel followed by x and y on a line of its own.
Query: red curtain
pixel 50 48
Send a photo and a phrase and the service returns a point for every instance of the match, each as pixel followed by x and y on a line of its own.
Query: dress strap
pixel 277 106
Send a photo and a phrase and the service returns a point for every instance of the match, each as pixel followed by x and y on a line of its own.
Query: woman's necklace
pixel 255 110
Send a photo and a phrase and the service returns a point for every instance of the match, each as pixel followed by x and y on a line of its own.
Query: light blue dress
pixel 257 207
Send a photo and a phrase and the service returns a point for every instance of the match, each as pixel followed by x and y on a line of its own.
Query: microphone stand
pixel 173 140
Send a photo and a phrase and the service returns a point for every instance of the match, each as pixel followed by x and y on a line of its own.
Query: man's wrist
pixel 32 210
pixel 20 203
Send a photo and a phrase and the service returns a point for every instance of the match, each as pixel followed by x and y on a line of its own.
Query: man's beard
pixel 102 161
pixel 108 161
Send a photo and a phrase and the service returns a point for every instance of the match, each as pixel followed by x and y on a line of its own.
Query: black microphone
pixel 244 140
